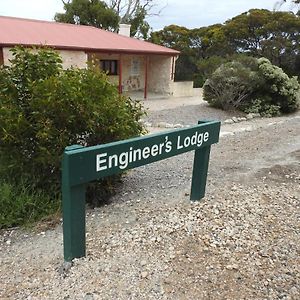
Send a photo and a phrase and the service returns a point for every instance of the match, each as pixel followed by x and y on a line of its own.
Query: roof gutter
pixel 96 50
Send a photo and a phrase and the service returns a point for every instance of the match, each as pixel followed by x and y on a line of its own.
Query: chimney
pixel 124 29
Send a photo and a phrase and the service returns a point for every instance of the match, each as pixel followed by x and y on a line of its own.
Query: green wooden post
pixel 200 169
pixel 73 202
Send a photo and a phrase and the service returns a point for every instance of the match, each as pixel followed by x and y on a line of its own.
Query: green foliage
pixel 44 108
pixel 252 85
pixel 89 12
pixel 283 91
pixel 258 33
pixel 20 205
pixel 230 86
pixel 109 14
pixel 263 107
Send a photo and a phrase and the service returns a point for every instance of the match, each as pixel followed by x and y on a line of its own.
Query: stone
pixel 232 267
pixel 168 125
pixel 65 267
pixel 144 274
pixel 161 124
pixel 143 263
pixel 228 121
pixel 178 126
pixel 88 296
pixel 235 119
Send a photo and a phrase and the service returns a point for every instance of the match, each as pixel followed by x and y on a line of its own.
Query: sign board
pixel 84 164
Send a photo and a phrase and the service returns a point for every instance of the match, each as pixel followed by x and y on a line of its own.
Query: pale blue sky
pixel 188 13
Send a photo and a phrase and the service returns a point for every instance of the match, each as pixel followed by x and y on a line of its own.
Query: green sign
pixel 84 164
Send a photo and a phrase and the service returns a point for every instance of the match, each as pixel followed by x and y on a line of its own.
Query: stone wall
pixel 159 76
pixel 133 70
pixel 77 59
pixel 182 89
pixel 70 58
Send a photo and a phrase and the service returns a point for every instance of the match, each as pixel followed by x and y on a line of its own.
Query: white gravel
pixel 240 242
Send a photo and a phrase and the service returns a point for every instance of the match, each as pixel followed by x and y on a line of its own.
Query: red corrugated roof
pixel 17 31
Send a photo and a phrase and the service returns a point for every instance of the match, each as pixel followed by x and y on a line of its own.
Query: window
pixel 135 67
pixel 109 66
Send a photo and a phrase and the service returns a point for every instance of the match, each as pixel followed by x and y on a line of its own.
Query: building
pixel 132 64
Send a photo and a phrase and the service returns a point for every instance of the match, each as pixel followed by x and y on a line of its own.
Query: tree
pixel 88 12
pixel 135 12
pixel 274 35
pixel 108 14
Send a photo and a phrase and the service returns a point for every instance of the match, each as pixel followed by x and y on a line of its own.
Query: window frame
pixel 110 66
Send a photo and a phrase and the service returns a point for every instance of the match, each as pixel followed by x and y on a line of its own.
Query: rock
pixel 65 267
pixel 178 126
pixel 228 121
pixel 161 124
pixel 88 296
pixel 148 124
pixel 144 274
pixel 168 125
pixel 232 267
pixel 235 119
pixel 252 116
pixel 256 115
pixel 143 263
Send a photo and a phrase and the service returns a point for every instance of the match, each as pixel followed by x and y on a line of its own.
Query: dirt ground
pixel 242 241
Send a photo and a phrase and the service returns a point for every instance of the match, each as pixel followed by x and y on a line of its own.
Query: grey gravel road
pixel 240 242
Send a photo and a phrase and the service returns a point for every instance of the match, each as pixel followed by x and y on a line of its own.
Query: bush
pixel 263 107
pixel 230 86
pixel 252 85
pixel 278 87
pixel 44 108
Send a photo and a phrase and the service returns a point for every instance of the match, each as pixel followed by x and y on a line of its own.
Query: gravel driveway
pixel 240 242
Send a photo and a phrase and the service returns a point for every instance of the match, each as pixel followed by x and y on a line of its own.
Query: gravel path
pixel 240 242
pixel 184 111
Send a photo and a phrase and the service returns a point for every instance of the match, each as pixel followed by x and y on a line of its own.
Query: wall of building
pixel 77 59
pixel 133 70
pixel 160 74
pixel 70 58
pixel 7 55
pixel 182 89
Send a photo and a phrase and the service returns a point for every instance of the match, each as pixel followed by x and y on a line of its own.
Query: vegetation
pixel 108 14
pixel 258 33
pixel 252 85
pixel 44 108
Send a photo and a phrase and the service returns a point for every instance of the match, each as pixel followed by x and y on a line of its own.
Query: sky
pixel 188 13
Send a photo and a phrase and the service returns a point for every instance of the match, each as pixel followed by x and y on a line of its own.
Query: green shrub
pixel 44 108
pixel 230 86
pixel 252 85
pixel 278 86
pixel 263 107
pixel 20 205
